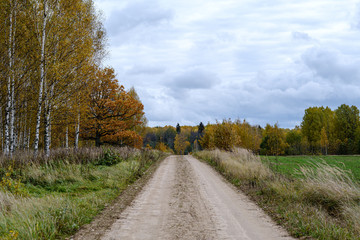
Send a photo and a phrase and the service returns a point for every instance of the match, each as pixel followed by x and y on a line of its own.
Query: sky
pixel 194 61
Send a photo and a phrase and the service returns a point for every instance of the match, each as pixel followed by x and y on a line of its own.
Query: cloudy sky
pixel 206 60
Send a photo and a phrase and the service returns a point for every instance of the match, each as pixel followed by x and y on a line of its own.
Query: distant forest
pixel 322 131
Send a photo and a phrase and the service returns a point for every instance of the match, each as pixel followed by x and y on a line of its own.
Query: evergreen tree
pixel 201 129
pixel 178 128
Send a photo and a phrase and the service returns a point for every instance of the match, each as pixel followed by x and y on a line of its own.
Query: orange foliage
pixel 112 113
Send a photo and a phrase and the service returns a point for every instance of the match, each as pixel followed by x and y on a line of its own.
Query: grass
pixel 321 202
pixel 290 165
pixel 51 198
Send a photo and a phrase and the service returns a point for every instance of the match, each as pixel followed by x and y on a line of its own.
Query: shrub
pixel 108 158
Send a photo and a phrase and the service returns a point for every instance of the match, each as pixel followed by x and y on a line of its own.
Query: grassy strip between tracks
pixel 50 198
pixel 323 203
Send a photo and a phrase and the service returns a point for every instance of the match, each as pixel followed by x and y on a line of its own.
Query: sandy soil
pixel 187 199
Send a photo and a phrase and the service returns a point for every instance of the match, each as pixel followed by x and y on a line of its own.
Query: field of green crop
pixel 290 165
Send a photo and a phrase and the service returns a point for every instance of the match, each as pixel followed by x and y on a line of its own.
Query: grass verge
pixel 322 204
pixel 51 198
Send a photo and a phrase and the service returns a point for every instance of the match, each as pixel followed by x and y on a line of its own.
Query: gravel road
pixel 187 199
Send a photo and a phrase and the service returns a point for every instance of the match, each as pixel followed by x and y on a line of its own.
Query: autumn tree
pixel 313 122
pixel 228 134
pixel 249 137
pixel 112 113
pixel 181 143
pixel 273 142
pixel 346 125
pixel 294 140
pixel 47 48
pixel 324 141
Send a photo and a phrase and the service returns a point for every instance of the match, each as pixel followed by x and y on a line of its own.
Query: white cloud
pixel 193 61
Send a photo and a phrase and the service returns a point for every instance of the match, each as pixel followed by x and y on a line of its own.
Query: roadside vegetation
pixel 322 201
pixel 50 198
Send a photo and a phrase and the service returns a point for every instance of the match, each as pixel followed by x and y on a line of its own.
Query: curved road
pixel 187 199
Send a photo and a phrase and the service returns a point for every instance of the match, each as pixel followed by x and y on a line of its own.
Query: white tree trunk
pixel 47 130
pixel 12 119
pixel 8 128
pixel 67 137
pixel 24 136
pixel 28 139
pixel 77 131
pixel 12 74
pixel 42 79
pixel 47 120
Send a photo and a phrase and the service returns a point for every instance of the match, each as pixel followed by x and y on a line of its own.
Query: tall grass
pixel 324 203
pixel 69 155
pixel 60 193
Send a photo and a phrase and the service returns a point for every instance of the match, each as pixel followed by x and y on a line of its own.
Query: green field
pixel 289 165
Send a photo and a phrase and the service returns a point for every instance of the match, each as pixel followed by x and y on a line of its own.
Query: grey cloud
pixel 139 13
pixel 195 79
pixel 300 36
pixel 148 70
pixel 331 65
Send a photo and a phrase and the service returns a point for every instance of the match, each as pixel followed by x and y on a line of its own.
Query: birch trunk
pixel 24 139
pixel 67 137
pixel 42 80
pixel 8 109
pixel 12 75
pixel 47 120
pixel 77 131
pixel 28 139
pixel 47 131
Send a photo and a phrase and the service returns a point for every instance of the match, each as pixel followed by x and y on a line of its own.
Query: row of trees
pixel 322 131
pixel 328 132
pixel 53 90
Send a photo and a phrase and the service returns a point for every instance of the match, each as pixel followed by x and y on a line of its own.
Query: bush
pixel 108 158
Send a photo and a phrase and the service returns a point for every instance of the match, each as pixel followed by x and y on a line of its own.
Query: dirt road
pixel 186 199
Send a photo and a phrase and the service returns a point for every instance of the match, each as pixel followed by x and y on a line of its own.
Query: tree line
pixel 322 131
pixel 179 139
pixel 54 90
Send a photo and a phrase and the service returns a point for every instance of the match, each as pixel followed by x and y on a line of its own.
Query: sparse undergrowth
pixel 323 204
pixel 51 198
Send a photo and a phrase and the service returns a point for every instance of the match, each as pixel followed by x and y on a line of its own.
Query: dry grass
pixel 323 204
pixel 330 186
pixel 70 155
